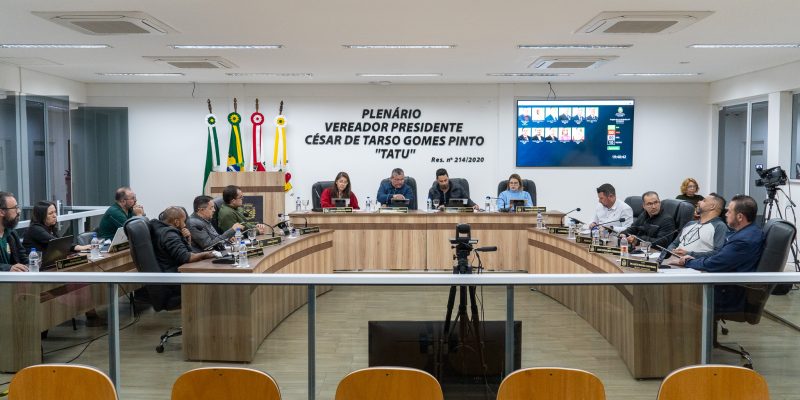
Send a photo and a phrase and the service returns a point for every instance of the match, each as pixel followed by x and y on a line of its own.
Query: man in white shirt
pixel 610 210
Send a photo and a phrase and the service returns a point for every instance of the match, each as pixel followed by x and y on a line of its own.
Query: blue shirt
pixel 386 191
pixel 504 200
pixel 740 253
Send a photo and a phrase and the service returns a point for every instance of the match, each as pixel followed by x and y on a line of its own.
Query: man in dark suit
pixel 12 254
pixel 740 253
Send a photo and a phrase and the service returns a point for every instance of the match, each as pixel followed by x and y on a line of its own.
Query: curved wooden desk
pixel 655 328
pixel 229 322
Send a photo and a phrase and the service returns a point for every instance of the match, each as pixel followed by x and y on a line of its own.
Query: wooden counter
pixel 26 310
pixel 229 322
pixel 419 240
pixel 655 328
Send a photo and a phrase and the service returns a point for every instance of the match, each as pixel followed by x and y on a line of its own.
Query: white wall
pixel 21 80
pixel 168 136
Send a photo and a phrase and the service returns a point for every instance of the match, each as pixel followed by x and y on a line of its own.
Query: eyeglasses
pixel 239 197
pixel 11 208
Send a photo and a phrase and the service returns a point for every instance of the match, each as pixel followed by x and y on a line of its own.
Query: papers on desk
pixel 653 256
pixel 678 270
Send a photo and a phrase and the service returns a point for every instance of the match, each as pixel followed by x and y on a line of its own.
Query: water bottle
pixel 34 260
pixel 596 236
pixel 539 220
pixel 95 247
pixel 623 247
pixel 238 235
pixel 368 204
pixel 297 204
pixel 243 263
pixel 430 205
pixel 488 204
pixel 571 230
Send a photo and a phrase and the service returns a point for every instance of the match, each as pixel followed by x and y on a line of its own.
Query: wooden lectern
pixel 268 186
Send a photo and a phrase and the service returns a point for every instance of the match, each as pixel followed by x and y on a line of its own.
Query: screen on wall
pixel 574 133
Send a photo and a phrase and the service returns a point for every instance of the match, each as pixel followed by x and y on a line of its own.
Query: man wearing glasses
pixel 12 253
pixel 230 213
pixel 651 225
pixel 705 237
pixel 123 209
pixel 199 223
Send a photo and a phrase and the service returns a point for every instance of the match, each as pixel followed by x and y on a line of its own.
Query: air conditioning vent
pixel 108 22
pixel 570 62
pixel 194 62
pixel 641 22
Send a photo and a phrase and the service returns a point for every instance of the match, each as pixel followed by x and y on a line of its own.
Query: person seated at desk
pixel 705 237
pixel 12 255
pixel 610 210
pixel 230 213
pixel 652 225
pixel 689 189
pixel 339 190
pixel 444 189
pixel 740 253
pixel 515 191
pixel 396 188
pixel 43 229
pixel 123 209
pixel 171 241
pixel 199 223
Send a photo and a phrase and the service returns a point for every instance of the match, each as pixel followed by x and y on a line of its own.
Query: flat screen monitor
pixel 400 203
pixel 516 203
pixel 57 250
pixel 574 133
pixel 341 202
pixel 455 202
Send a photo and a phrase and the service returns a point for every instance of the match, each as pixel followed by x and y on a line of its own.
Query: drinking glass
pixel 306 203
pixel 645 246
pixel 251 234
pixel 604 236
pixel 435 204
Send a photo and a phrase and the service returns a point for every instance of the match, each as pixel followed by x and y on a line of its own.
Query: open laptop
pixel 57 250
pixel 341 202
pixel 457 202
pixel 119 238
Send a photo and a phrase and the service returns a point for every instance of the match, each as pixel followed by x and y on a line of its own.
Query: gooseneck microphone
pixel 610 229
pixel 578 209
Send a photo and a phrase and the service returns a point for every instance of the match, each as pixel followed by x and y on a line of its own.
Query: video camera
pixel 462 243
pixel 770 178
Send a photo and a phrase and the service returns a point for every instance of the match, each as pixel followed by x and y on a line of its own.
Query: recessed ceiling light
pixel 54 46
pixel 512 74
pixel 745 46
pixel 273 74
pixel 573 46
pixel 659 74
pixel 398 46
pixel 140 73
pixel 226 46
pixel 421 75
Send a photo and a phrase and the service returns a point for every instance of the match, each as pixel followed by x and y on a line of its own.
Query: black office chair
pixel 84 238
pixel 636 204
pixel 412 183
pixel 527 185
pixel 778 238
pixel 162 297
pixel 456 181
pixel 316 192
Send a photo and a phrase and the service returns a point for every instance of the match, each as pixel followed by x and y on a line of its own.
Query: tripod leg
pixel 476 325
pixel 462 317
pixel 450 301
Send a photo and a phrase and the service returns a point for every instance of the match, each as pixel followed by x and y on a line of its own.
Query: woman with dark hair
pixel 515 191
pixel 339 190
pixel 43 228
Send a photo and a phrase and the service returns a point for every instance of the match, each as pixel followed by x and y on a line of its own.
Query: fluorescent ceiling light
pixel 423 75
pixel 745 46
pixel 659 74
pixel 273 74
pixel 527 74
pixel 226 46
pixel 140 73
pixel 398 46
pixel 573 46
pixel 54 46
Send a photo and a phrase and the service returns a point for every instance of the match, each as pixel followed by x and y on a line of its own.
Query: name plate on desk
pixel 337 210
pixel 560 230
pixel 72 261
pixel 459 209
pixel 534 209
pixel 393 210
pixel 604 249
pixel 649 266
pixel 583 239
pixel 119 247
pixel 269 241
pixel 307 230
pixel 258 251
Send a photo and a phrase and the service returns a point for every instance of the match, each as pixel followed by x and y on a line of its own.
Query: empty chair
pixel 389 383
pixel 681 211
pixel 316 192
pixel 551 384
pixel 713 382
pixel 527 185
pixel 85 238
pixel 61 382
pixel 225 383
pixel 635 202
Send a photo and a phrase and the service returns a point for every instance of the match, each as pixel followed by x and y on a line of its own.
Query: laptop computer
pixel 397 203
pixel 119 238
pixel 57 250
pixel 457 202
pixel 341 202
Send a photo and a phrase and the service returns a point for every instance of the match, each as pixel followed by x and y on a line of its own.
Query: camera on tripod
pixel 462 243
pixel 770 178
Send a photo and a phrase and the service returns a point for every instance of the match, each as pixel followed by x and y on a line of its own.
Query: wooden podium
pixel 266 185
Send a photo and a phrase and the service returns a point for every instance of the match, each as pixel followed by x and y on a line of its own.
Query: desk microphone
pixel 486 249
pixel 213 245
pixel 577 221
pixel 305 224
pixel 602 224
pixel 578 209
